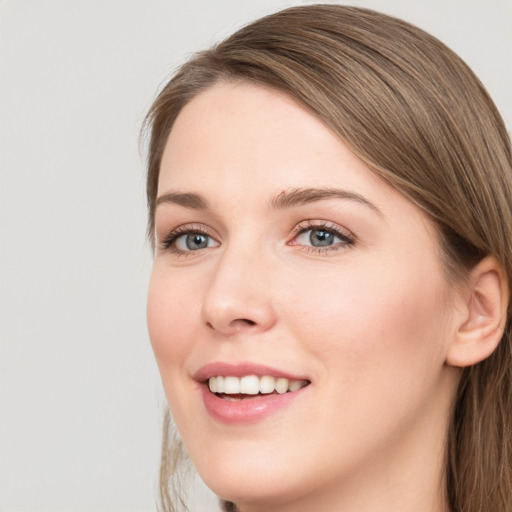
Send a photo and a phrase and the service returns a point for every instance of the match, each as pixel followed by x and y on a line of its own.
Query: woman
pixel 330 197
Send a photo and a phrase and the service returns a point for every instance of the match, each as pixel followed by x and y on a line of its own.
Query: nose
pixel 239 295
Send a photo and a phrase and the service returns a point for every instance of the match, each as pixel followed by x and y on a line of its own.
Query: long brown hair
pixel 417 115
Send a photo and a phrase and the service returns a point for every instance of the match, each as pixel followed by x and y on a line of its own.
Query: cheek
pixel 380 351
pixel 388 323
pixel 172 324
pixel 169 320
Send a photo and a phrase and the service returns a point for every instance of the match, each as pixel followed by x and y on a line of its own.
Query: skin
pixel 368 320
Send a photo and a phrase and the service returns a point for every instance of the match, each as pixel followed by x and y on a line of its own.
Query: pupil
pixel 320 238
pixel 196 241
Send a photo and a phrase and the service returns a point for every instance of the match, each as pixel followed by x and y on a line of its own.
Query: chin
pixel 262 494
pixel 250 481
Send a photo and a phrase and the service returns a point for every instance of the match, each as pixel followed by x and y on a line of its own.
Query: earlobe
pixel 484 315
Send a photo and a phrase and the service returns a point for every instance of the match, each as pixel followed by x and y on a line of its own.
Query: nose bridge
pixel 238 296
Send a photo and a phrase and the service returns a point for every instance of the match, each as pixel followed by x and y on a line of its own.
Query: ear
pixel 483 317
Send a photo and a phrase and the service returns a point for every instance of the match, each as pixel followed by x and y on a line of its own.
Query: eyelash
pixel 347 239
pixel 168 243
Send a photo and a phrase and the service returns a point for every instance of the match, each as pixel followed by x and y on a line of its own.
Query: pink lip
pixel 249 410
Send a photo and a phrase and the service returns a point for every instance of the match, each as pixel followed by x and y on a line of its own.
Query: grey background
pixel 80 396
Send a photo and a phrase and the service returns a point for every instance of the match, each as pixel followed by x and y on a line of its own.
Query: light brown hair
pixel 414 112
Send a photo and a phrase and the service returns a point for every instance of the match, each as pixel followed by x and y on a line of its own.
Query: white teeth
pixel 231 386
pixel 252 385
pixel 282 385
pixel 295 385
pixel 267 384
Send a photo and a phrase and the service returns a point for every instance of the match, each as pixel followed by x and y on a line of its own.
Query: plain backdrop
pixel 80 395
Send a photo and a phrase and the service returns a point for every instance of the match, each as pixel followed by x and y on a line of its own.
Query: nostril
pixel 240 322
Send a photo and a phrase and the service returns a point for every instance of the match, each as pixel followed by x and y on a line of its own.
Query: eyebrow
pixel 187 199
pixel 286 199
pixel 301 196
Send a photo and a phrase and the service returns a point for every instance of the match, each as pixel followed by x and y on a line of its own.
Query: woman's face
pixel 280 255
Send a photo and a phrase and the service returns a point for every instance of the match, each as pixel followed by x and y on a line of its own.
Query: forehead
pixel 246 134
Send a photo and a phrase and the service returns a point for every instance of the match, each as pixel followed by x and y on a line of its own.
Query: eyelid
pixel 166 243
pixel 348 239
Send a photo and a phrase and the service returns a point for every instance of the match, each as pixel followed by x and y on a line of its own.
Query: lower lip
pixel 249 410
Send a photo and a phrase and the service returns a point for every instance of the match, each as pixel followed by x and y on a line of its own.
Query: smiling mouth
pixel 250 386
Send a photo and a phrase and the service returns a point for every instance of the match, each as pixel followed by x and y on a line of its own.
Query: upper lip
pixel 241 369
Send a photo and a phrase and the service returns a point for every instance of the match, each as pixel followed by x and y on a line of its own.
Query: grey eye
pixel 321 238
pixel 194 241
